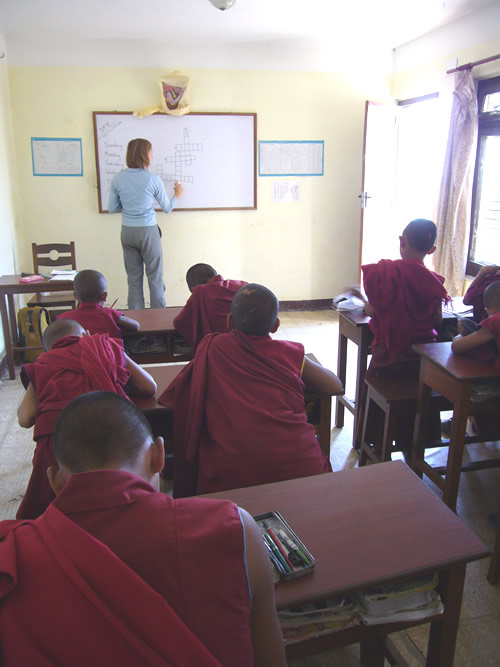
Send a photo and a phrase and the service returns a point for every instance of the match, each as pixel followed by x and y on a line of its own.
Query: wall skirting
pixel 314 304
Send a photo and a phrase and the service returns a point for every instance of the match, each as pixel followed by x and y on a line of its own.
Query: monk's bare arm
pixel 28 410
pixel 141 383
pixel 266 632
pixel 462 344
pixel 128 324
pixel 320 380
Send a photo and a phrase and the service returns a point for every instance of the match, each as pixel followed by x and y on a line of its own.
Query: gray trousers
pixel 142 248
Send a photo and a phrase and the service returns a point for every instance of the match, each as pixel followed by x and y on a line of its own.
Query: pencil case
pixel 289 555
pixel 30 279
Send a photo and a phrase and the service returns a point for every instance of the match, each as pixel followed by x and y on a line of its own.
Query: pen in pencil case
pixel 293 547
pixel 277 553
pixel 280 547
pixel 274 560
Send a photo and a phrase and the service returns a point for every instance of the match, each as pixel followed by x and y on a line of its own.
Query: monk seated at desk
pixel 484 344
pixel 116 573
pixel 208 306
pixel 73 364
pixel 404 299
pixel 238 407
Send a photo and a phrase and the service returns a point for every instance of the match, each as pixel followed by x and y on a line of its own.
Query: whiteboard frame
pixel 95 114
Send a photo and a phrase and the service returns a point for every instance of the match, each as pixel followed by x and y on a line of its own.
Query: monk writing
pixel 126 575
pixel 91 292
pixel 238 406
pixel 208 306
pixel 73 364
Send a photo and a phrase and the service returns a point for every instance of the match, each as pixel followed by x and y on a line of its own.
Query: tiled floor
pixel 479 634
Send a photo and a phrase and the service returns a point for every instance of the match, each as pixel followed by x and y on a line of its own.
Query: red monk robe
pixel 492 324
pixel 207 309
pixel 73 366
pixel 95 318
pixel 475 295
pixel 189 553
pixel 406 297
pixel 239 416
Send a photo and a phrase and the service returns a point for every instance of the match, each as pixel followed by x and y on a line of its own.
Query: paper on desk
pixel 58 274
pixel 347 301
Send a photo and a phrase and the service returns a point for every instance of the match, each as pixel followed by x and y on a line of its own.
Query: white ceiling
pixel 385 23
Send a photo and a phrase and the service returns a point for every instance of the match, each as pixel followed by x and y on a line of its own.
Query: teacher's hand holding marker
pixel 178 189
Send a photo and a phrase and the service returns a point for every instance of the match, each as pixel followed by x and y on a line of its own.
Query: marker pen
pixel 276 552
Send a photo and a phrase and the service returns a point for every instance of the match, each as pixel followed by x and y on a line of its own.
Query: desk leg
pixel 325 424
pixel 456 448
pixel 443 635
pixel 421 419
pixel 341 374
pixel 7 337
pixel 372 652
pixel 360 380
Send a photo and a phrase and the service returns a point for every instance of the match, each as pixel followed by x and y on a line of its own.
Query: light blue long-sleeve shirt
pixel 134 191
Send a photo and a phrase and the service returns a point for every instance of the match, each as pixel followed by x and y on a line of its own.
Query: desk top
pixel 163 376
pixel 359 318
pixel 11 285
pixel 154 320
pixel 459 366
pixel 364 526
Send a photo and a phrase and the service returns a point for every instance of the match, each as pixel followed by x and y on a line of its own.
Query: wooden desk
pixel 365 527
pixel 10 285
pixel 156 322
pixel 353 326
pixel 452 376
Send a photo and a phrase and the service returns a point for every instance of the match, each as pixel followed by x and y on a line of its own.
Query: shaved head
pixel 421 234
pixel 59 329
pixel 254 310
pixel 492 296
pixel 100 430
pixel 89 285
pixel 199 274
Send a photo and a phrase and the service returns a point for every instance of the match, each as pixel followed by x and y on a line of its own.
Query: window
pixel 484 240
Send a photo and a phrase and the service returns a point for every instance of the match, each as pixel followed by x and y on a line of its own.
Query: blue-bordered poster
pixel 56 157
pixel 291 158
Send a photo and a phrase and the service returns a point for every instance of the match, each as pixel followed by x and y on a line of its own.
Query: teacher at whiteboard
pixel 134 191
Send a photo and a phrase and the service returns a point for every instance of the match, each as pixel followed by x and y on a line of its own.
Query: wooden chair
pixel 396 398
pixel 42 259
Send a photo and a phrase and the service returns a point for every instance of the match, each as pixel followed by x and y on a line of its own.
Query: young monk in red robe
pixel 484 344
pixel 208 306
pixel 91 293
pixel 475 294
pixel 73 364
pixel 238 407
pixel 404 299
pixel 126 575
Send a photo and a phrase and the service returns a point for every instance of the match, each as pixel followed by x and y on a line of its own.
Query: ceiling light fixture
pixel 223 4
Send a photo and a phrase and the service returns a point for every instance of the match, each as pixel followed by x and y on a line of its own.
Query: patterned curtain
pixel 453 217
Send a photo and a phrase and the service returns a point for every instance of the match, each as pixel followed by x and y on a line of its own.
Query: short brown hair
pixel 138 154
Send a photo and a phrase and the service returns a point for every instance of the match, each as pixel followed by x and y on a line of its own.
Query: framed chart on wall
pixel 213 155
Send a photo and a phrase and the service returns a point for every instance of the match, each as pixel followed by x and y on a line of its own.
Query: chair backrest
pixel 64 255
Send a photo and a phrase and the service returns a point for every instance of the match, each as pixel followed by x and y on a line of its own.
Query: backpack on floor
pixel 32 322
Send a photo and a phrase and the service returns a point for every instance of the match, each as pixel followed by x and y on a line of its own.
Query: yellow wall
pixel 307 250
pixel 7 192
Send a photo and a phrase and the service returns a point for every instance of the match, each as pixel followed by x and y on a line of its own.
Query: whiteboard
pixel 213 155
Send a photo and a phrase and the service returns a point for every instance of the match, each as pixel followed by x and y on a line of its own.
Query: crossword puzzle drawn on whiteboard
pixel 213 155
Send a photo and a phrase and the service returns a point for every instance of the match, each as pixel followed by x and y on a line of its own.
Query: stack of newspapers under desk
pixel 408 600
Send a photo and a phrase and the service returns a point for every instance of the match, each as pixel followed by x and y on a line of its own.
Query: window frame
pixel 488 125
